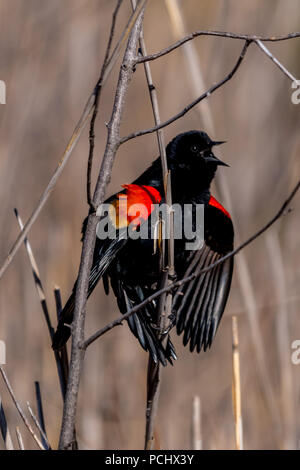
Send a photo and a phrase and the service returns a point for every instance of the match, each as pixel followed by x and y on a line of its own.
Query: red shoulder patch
pixel 134 205
pixel 144 193
pixel 215 203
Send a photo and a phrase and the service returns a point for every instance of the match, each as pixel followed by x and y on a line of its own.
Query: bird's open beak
pixel 218 142
pixel 212 158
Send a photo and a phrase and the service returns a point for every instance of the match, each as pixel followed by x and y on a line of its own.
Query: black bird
pixel 132 265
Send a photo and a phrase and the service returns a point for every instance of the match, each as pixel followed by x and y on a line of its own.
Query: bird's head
pixel 193 149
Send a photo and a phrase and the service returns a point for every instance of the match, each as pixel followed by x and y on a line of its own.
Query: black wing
pixel 142 323
pixel 104 254
pixel 200 303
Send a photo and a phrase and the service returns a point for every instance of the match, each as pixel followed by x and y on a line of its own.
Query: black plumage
pixel 132 267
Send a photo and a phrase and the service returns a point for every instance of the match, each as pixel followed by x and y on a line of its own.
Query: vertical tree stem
pixel 113 138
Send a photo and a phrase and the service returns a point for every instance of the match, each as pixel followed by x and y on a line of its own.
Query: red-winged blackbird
pixel 133 266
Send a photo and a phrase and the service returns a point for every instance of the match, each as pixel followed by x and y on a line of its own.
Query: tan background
pixel 50 56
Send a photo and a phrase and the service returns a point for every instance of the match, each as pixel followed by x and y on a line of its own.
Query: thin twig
pixel 187 108
pixel 223 34
pixel 97 99
pixel 39 427
pixel 276 61
pixel 248 40
pixel 179 283
pixel 112 145
pixel 19 409
pixel 236 386
pixel 123 38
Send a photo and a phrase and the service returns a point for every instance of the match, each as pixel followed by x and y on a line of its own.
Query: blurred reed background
pixel 50 56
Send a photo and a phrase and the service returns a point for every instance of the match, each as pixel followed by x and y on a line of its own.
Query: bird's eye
pixel 194 148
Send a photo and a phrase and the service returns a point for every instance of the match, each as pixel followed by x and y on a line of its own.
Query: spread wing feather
pixel 199 304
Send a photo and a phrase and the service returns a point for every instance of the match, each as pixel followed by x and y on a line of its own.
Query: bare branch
pixel 179 283
pixel 223 34
pixel 276 61
pixel 187 108
pixel 97 99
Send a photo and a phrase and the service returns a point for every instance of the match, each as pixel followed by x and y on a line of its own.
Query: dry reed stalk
pixel 39 427
pixel 196 424
pixel 20 439
pixel 236 386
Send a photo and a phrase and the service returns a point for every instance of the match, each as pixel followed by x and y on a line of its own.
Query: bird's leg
pixel 172 318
